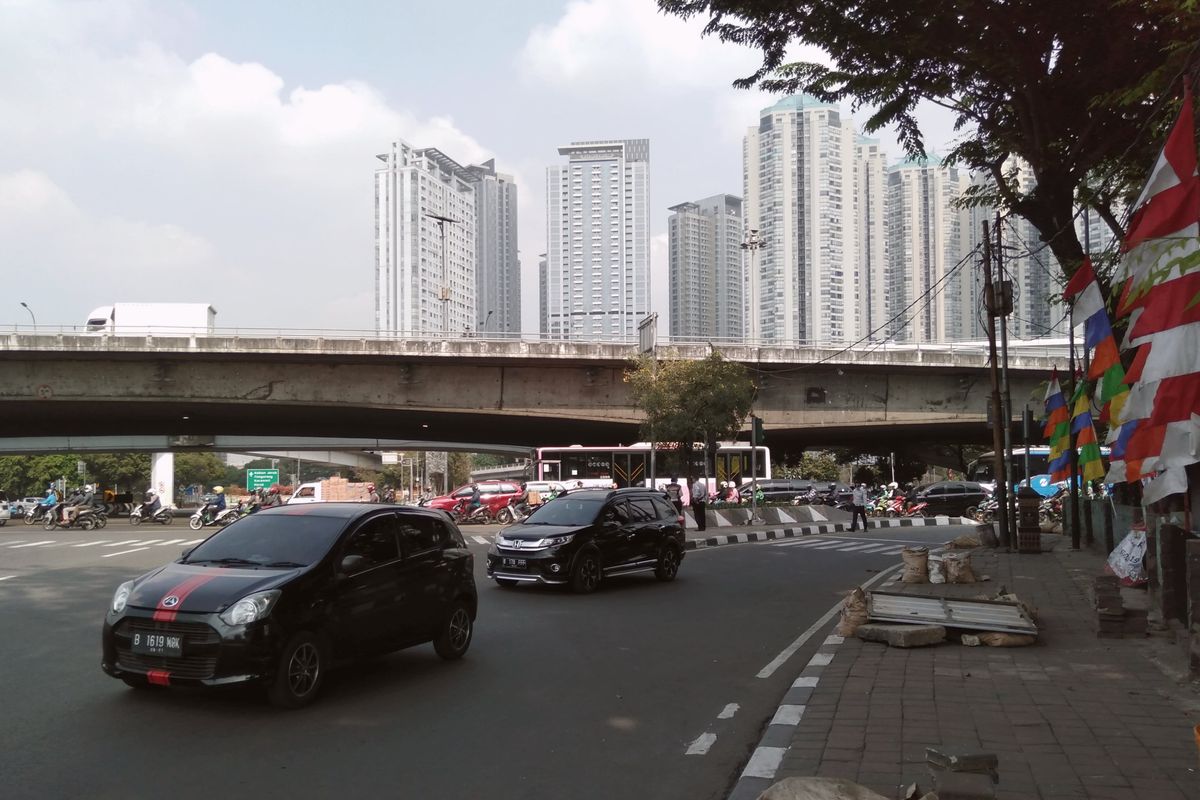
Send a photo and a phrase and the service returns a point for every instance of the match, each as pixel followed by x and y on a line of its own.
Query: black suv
pixel 279 596
pixel 580 538
pixel 955 498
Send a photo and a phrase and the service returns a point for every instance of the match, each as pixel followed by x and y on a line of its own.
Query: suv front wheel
pixel 585 578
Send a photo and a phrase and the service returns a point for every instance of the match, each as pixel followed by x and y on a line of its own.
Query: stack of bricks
pixel 1110 615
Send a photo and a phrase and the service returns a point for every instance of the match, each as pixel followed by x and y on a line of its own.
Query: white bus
pixel 601 467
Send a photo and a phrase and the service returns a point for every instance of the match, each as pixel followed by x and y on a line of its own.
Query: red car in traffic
pixel 493 494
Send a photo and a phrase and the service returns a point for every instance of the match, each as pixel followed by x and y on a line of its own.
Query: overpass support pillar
pixel 162 477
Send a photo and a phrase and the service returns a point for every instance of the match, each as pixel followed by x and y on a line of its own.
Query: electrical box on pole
pixel 757 437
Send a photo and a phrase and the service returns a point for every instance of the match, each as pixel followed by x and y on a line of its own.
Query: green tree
pixel 820 466
pixel 122 472
pixel 459 466
pixel 1081 92
pixel 704 401
pixel 198 469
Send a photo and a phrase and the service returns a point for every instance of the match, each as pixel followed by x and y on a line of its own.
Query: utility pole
pixel 1005 288
pixel 998 469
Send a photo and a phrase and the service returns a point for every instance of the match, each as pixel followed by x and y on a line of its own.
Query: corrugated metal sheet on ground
pixel 983 615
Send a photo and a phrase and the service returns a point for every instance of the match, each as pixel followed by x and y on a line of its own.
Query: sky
pixel 222 151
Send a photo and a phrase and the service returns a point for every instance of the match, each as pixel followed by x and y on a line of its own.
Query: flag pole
pixel 1072 442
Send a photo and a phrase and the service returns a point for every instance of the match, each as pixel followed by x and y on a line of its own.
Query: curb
pixel 759 774
pixel 831 527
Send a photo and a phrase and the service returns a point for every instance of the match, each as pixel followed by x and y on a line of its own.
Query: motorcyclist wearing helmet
pixel 150 503
pixel 372 495
pixel 272 498
pixel 216 506
pixel 79 501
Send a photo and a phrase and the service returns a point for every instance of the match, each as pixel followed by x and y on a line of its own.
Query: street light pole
pixel 444 292
pixel 753 244
pixel 483 325
pixel 31 316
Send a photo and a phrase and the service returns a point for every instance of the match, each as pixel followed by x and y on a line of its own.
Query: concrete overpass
pixel 504 392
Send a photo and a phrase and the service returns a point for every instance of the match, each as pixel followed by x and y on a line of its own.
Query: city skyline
pixel 215 152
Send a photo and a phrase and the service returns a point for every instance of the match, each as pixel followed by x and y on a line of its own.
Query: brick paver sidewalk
pixel 1070 717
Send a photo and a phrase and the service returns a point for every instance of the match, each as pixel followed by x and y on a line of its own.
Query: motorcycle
pixel 162 515
pixel 86 518
pixel 36 514
pixel 513 512
pixel 480 515
pixel 204 517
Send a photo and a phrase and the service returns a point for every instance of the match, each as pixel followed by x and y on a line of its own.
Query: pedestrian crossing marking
pixel 481 540
pixel 119 544
pixel 31 544
pixel 124 552
pixel 7 577
pixel 89 544
pixel 169 541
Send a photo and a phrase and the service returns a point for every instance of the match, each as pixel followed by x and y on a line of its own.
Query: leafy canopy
pixel 1081 91
pixel 691 401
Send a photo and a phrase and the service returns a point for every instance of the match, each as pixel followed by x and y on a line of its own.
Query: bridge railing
pixel 72 337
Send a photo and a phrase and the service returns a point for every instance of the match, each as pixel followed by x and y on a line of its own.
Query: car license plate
pixel 157 644
pixel 519 563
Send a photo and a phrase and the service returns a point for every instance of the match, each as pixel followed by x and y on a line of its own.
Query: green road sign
pixel 261 478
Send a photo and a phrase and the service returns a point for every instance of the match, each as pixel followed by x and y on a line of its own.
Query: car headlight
pixel 554 541
pixel 121 596
pixel 250 608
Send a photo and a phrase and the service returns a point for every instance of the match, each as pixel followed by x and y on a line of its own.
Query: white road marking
pixel 169 541
pixel 820 659
pixel 7 577
pixel 14 541
pixel 192 542
pixel 151 541
pixel 807 541
pixel 832 544
pixel 788 715
pixel 119 544
pixel 701 745
pixel 787 652
pixel 764 762
pixel 850 548
pixel 805 683
pixel 895 551
pixel 728 711
pixel 124 552
pixel 89 544
pixel 481 540
pixel 31 544
pixel 833 639
pixel 817 515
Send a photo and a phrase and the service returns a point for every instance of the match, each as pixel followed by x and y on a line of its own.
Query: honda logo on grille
pixel 516 544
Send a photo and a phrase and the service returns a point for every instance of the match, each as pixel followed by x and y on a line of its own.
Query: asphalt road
pixel 598 696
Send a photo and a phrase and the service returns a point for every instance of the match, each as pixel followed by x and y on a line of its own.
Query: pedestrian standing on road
pixel 858 509
pixel 675 494
pixel 699 498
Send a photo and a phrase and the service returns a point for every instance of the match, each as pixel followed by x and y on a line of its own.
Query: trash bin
pixel 1029 529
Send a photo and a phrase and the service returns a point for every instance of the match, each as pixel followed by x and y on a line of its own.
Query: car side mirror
pixel 352 564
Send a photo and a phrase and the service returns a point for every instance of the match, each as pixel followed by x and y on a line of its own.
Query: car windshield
pixel 271 540
pixel 567 511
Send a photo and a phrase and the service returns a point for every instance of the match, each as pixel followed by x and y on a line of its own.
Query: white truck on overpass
pixel 153 319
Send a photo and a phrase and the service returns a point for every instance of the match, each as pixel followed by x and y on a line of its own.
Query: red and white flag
pixel 1160 271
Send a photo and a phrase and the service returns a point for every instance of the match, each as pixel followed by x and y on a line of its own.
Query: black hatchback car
pixel 279 596
pixel 955 498
pixel 584 536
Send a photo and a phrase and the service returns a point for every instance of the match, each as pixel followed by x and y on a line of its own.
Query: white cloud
pixel 123 160
pixel 603 42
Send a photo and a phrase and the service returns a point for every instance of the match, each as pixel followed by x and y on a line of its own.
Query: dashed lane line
pixel 701 745
pixel 31 544
pixel 124 552
pixel 90 544
pixel 7 577
pixel 728 711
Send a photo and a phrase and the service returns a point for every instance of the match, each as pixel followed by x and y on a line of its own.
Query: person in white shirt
pixel 859 506
pixel 699 501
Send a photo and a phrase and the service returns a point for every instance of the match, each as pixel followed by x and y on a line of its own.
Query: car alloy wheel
pixel 668 564
pixel 300 672
pixel 455 637
pixel 586 576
